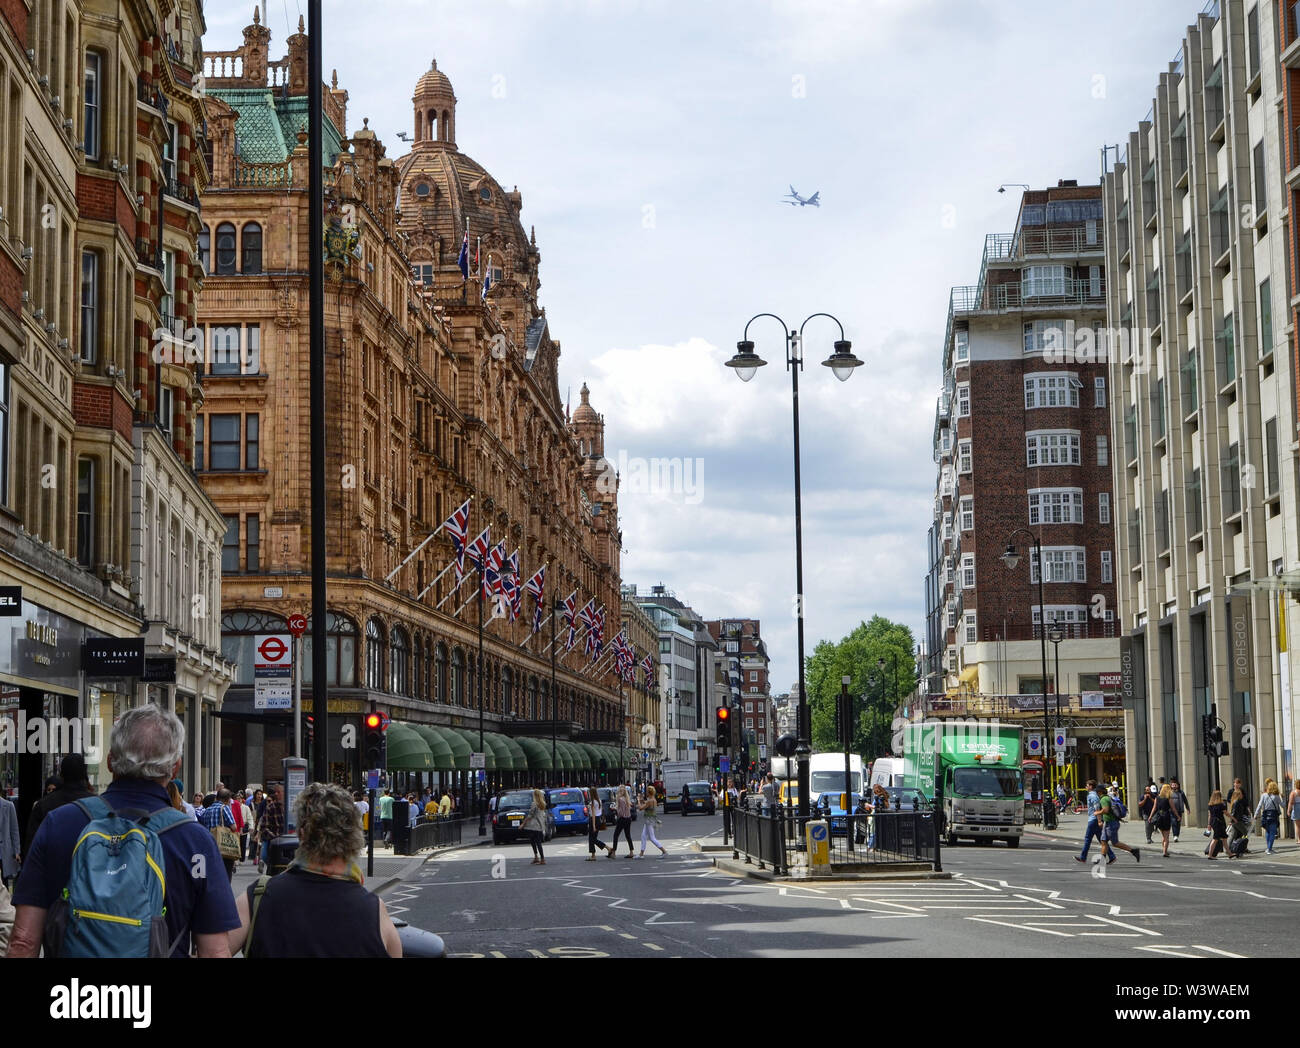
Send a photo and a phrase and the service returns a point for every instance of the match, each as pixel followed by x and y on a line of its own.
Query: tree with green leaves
pixel 876 690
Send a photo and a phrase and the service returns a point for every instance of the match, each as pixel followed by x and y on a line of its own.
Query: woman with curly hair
pixel 282 916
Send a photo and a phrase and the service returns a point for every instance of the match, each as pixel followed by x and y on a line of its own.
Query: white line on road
pixel 1221 953
pixel 1008 924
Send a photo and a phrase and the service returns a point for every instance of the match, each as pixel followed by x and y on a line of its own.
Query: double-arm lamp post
pixel 1011 558
pixel 841 362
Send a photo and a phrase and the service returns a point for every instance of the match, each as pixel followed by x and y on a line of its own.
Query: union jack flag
pixel 598 630
pixel 588 616
pixel 510 586
pixel 457 527
pixel 570 610
pixel 648 668
pixel 537 586
pixel 492 575
pixel 624 657
pixel 476 552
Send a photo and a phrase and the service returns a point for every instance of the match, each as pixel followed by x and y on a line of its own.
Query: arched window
pixel 205 249
pixel 532 698
pixel 399 662
pixel 340 652
pixel 457 677
pixel 417 668
pixel 252 244
pixel 374 655
pixel 441 694
pixel 507 691
pixel 225 248
pixel 544 709
pixel 238 632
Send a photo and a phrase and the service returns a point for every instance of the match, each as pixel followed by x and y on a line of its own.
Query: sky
pixel 653 140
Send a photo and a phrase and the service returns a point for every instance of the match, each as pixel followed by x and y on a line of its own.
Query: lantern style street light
pixel 842 363
pixel 1011 558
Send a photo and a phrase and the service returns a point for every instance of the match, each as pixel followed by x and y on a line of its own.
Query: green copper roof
pixel 269 123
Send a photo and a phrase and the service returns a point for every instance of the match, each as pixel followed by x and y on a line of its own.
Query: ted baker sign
pixel 11 601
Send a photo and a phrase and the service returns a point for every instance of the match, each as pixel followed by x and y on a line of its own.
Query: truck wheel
pixel 1013 842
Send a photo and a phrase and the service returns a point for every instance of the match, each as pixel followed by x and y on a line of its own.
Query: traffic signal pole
pixel 370 820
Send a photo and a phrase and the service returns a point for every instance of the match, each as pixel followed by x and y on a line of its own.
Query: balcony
pixel 1040 242
pixel 1092 629
pixel 1038 294
pixel 147 256
pixel 150 95
pixel 172 187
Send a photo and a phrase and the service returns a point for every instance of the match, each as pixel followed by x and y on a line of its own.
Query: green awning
pixel 460 749
pixel 471 737
pixel 516 751
pixel 537 753
pixel 577 758
pixel 594 756
pixel 442 755
pixel 563 758
pixel 505 759
pixel 407 751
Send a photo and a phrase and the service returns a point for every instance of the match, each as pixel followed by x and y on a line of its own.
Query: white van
pixel 887 771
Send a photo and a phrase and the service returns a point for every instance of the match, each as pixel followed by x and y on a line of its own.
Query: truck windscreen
pixel 986 782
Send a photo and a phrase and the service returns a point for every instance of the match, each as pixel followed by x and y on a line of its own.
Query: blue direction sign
pixel 724 764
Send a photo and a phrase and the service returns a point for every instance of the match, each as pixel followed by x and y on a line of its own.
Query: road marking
pixel 1221 953
pixel 652 946
pixel 1121 924
pixel 627 935
pixel 1006 924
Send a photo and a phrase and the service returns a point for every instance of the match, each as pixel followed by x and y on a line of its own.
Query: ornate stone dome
pixel 444 193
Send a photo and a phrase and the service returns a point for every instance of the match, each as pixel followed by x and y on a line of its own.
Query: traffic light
pixel 724 727
pixel 308 729
pixel 604 768
pixel 376 756
pixel 1212 741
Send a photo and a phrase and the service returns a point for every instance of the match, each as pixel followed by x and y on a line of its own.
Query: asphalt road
pixel 1036 901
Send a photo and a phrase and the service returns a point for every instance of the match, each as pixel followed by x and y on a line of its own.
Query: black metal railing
pixel 759 838
pixel 430 833
pixel 890 838
pixel 175 188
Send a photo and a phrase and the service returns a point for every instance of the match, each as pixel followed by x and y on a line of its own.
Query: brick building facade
pixel 436 393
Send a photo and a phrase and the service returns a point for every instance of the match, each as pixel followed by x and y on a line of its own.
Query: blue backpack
pixel 113 905
pixel 1117 808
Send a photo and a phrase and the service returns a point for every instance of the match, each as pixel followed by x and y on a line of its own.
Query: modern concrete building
pixel 1198 239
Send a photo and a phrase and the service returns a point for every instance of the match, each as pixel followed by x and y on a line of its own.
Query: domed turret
pixel 435 109
pixel 588 426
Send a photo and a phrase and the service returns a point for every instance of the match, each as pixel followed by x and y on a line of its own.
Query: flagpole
pixel 534 633
pixel 482 799
pixel 435 581
pixel 459 582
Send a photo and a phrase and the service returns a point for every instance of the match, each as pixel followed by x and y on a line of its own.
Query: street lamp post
pixel 842 363
pixel 478 676
pixel 1056 635
pixel 555 611
pixel 1011 558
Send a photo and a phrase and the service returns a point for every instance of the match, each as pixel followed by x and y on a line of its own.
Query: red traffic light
pixel 724 714
pixel 373 721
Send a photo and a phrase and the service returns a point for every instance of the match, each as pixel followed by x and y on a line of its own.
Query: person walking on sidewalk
pixel 647 808
pixel 1178 800
pixel 1218 824
pixel 622 821
pixel 1239 816
pixel 1146 808
pixel 1093 828
pixel 1109 814
pixel 593 826
pixel 1269 813
pixel 1162 817
pixel 535 826
pixel 1293 806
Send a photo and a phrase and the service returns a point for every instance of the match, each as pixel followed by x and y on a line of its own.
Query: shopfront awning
pixel 538 754
pixel 471 737
pixel 460 749
pixel 443 760
pixel 505 759
pixel 407 751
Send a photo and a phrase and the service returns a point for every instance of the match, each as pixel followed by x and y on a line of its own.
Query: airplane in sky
pixel 799 201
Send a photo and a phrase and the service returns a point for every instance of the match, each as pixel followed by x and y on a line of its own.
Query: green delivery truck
pixel 978 764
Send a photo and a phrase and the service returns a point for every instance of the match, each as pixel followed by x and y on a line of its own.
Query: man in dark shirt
pixel 144 755
pixel 271 824
pixel 76 785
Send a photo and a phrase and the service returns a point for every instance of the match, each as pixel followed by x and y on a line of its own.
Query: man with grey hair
pixel 144 755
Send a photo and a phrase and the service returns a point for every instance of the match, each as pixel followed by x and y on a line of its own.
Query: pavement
pixel 1286 851
pixel 390 869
